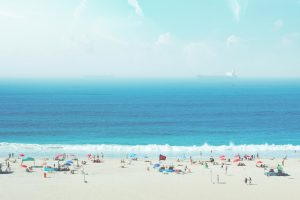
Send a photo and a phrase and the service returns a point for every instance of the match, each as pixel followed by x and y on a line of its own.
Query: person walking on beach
pixel 226 168
pixel 218 179
pixel 250 180
pixel 246 180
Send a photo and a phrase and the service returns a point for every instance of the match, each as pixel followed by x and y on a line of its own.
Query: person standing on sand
pixel 250 180
pixel 218 179
pixel 246 180
pixel 226 168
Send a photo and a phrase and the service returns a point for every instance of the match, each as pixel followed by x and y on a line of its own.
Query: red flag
pixel 162 157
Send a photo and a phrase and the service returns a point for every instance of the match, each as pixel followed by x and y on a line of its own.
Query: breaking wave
pixel 149 150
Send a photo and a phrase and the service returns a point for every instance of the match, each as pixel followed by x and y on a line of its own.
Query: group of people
pixel 248 181
pixel 8 168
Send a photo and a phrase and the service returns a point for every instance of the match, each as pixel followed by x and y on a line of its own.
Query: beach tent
pixel 28 159
pixel 48 169
pixel 162 157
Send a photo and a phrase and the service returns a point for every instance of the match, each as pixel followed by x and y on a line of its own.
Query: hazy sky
pixel 149 38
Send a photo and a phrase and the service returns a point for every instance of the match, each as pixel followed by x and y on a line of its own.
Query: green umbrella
pixel 28 159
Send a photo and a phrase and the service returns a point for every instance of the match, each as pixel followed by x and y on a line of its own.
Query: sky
pixel 149 38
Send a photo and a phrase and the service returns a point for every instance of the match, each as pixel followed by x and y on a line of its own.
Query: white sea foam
pixel 151 149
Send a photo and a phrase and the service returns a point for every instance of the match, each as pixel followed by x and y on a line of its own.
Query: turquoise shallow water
pixel 185 113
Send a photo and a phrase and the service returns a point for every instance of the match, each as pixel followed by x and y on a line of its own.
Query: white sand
pixel 109 181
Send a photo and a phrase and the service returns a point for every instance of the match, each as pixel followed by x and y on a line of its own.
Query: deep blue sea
pixel 150 115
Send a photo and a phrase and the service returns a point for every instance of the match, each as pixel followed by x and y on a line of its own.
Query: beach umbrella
pixel 156 165
pixel 259 163
pixel 21 154
pixel 28 159
pixel 70 161
pixel 236 160
pixel 222 157
pixel 59 157
pixel 24 166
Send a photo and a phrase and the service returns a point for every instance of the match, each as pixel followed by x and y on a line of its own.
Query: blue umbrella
pixel 132 155
pixel 156 165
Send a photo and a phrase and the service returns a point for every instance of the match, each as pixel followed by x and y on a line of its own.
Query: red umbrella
pixel 236 160
pixel 59 156
pixel 222 158
pixel 259 162
pixel 24 166
pixel 21 154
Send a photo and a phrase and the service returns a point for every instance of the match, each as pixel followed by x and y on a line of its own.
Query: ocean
pixel 152 116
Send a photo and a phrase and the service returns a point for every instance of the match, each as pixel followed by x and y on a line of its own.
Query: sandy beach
pixel 139 180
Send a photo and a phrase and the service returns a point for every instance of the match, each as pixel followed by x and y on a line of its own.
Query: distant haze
pixel 142 38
